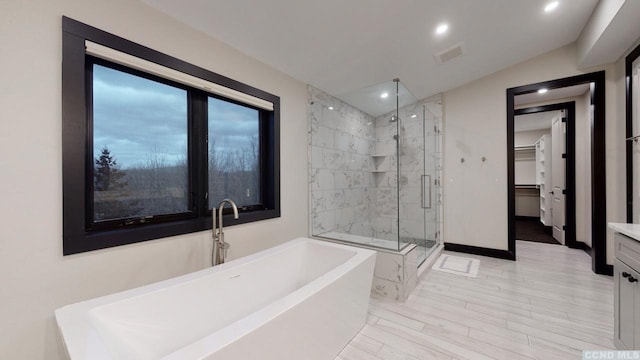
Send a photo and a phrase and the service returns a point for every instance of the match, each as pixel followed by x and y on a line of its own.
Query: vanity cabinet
pixel 627 293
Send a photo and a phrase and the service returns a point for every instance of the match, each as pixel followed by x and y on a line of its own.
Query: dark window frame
pixel 77 153
pixel 192 137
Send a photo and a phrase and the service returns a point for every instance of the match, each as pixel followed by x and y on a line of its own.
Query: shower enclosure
pixel 375 177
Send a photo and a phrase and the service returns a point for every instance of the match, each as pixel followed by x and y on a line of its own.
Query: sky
pixel 136 118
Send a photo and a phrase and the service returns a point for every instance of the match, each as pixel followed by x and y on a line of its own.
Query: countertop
pixel 631 230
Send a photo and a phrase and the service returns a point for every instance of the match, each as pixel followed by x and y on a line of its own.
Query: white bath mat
pixel 457 265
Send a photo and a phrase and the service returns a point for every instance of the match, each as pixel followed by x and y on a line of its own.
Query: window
pixel 234 153
pixel 139 147
pixel 151 144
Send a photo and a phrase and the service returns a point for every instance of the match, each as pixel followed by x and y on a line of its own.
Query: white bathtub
pixel 304 299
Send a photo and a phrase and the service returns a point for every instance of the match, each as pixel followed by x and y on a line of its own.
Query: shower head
pixel 394 118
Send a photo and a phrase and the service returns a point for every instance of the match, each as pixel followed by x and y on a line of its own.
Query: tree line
pixel 156 186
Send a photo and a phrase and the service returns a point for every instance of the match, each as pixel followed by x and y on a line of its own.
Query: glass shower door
pixel 418 176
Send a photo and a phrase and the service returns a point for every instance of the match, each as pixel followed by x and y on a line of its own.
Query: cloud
pixel 135 117
pixel 231 126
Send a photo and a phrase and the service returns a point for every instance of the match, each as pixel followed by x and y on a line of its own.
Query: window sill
pixel 96 240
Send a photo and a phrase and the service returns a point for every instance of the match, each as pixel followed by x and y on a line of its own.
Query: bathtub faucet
pixel 219 251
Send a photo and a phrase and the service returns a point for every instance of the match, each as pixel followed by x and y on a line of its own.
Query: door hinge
pixel 564 191
pixel 564 156
pixel 564 227
pixel 564 119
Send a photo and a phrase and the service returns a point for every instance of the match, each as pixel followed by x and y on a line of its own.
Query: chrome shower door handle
pixel 426 191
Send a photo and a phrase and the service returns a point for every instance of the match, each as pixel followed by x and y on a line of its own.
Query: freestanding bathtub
pixel 304 299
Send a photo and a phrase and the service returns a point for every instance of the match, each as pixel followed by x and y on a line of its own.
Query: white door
pixel 558 168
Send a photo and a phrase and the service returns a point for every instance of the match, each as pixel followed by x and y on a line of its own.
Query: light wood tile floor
pixel 547 305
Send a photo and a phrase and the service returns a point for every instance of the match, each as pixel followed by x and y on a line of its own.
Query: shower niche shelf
pixel 382 163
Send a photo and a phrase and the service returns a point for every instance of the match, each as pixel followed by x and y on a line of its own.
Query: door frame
pixel 628 69
pixel 598 171
pixel 570 166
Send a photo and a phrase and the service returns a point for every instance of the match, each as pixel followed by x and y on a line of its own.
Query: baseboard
pixel 529 218
pixel 500 254
pixel 581 246
pixel 605 270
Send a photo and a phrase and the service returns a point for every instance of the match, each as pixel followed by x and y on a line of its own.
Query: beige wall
pixel 475 126
pixel 583 169
pixel 529 137
pixel 35 277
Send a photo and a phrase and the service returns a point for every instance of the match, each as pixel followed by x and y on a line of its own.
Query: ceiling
pixel 542 120
pixel 535 121
pixel 553 94
pixel 371 101
pixel 343 46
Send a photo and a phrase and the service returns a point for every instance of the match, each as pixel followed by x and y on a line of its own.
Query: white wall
pixel 475 126
pixel 583 169
pixel 528 137
pixel 600 19
pixel 616 153
pixel 35 277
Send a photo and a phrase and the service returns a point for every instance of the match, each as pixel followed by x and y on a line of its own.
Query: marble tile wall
pixel 386 179
pixel 354 180
pixel 342 140
pixel 420 153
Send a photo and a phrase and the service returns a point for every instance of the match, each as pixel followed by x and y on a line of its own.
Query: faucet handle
pixel 224 247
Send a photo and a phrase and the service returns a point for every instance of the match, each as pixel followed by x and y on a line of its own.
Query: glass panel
pixel 433 165
pixel 411 172
pixel 367 171
pixel 234 153
pixel 419 174
pixel 139 146
pixel 386 178
pixel 347 165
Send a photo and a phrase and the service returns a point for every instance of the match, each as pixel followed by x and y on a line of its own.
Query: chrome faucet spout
pixel 233 207
pixel 218 253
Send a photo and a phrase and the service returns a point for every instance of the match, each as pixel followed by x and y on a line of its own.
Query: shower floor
pixel 365 240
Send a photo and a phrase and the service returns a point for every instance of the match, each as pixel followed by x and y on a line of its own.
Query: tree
pixel 107 175
pixel 111 198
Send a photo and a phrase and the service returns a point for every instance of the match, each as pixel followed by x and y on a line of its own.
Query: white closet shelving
pixel 543 177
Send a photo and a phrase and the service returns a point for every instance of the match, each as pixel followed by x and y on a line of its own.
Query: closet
pixel 527 190
pixel 533 183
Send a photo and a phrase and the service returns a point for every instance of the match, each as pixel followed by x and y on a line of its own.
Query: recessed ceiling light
pixel 330 107
pixel 384 95
pixel 441 29
pixel 414 116
pixel 542 91
pixel 551 6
